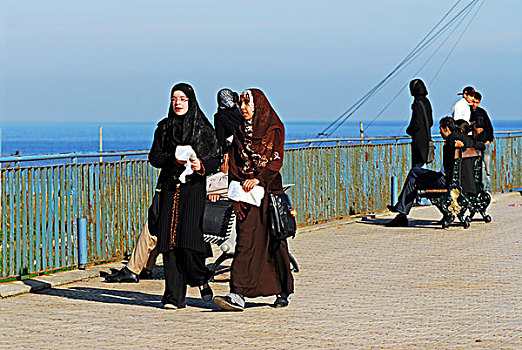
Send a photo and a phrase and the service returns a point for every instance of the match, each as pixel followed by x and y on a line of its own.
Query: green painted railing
pixel 40 204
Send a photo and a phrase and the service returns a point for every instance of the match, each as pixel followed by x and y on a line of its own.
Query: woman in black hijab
pixel 420 124
pixel 179 218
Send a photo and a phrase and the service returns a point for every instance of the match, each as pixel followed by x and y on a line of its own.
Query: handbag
pixel 216 218
pixel 153 213
pixel 431 152
pixel 281 216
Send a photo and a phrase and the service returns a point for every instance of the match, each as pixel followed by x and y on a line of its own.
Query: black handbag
pixel 281 216
pixel 216 218
pixel 431 152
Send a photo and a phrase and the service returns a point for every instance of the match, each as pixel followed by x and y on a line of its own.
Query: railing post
pixel 82 243
pixel 394 190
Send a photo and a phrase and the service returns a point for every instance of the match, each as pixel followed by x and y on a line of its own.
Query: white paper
pixel 254 196
pixel 187 154
pixel 217 184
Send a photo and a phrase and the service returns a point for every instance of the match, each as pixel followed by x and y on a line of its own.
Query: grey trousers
pixel 418 179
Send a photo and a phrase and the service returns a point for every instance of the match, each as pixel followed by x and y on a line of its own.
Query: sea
pixel 31 138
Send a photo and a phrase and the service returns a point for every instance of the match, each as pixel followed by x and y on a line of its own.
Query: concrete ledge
pixel 35 284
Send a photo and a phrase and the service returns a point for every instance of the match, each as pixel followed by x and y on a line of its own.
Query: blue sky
pixel 116 60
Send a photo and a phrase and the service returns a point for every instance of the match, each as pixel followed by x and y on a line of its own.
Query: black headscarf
pixel 192 128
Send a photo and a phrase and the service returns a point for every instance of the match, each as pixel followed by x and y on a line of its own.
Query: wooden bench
pixel 464 192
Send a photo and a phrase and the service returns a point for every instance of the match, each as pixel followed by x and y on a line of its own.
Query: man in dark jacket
pixel 420 178
pixel 420 123
pixel 484 131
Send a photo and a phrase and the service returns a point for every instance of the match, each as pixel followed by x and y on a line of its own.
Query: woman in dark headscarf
pixel 179 219
pixel 227 117
pixel 420 124
pixel 261 265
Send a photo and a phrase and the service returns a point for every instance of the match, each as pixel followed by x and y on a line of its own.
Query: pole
pixel 82 243
pixel 394 190
pixel 101 143
pixel 362 131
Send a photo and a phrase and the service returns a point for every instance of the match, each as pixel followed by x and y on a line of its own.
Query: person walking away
pixel 420 124
pixel 462 109
pixel 182 203
pixel 227 117
pixel 226 121
pixel 484 130
pixel 261 264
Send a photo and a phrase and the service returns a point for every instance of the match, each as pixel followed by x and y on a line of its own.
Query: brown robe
pixel 261 265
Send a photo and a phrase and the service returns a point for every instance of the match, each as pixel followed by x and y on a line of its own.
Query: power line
pixel 420 47
pixel 456 43
pixel 420 69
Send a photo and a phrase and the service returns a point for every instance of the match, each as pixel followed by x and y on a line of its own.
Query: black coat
pixel 192 194
pixel 420 123
pixel 448 159
pixel 226 121
pixel 481 119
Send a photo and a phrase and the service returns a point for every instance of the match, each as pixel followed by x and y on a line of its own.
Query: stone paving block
pixel 361 286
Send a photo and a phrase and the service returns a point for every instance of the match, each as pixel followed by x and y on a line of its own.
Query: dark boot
pixel 123 276
pixel 145 274
pixel 392 208
pixel 206 292
pixel 281 300
pixel 401 220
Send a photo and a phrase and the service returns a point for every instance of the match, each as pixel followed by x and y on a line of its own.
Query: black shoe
pixel 123 276
pixel 281 301
pixel 145 274
pixel 400 220
pixel 206 292
pixel 392 208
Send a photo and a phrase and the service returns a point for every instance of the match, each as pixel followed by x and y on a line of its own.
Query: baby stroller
pixel 219 227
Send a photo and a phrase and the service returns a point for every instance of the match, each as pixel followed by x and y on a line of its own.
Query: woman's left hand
pixel 196 164
pixel 249 184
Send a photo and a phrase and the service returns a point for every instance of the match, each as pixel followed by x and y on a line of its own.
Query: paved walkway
pixel 361 286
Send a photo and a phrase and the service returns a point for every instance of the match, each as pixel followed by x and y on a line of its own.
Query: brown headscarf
pixel 259 142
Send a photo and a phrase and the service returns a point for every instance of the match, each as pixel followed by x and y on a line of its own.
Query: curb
pixel 35 284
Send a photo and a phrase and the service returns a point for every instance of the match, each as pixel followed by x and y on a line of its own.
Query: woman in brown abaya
pixel 261 265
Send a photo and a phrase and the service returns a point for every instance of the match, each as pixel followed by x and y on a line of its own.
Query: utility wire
pixel 456 43
pixel 425 42
pixel 413 54
pixel 405 59
pixel 419 70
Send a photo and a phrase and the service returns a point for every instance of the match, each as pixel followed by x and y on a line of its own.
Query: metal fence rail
pixel 40 205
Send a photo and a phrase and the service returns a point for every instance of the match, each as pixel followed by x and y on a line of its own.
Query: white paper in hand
pixel 254 197
pixel 187 154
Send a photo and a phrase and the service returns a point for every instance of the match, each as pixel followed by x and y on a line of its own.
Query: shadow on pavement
pixel 157 273
pixel 114 296
pixel 412 223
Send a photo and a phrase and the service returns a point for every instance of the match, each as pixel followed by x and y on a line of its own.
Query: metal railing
pixel 40 204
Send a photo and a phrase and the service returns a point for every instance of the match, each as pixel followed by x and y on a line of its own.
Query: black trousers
pixel 418 179
pixel 182 266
